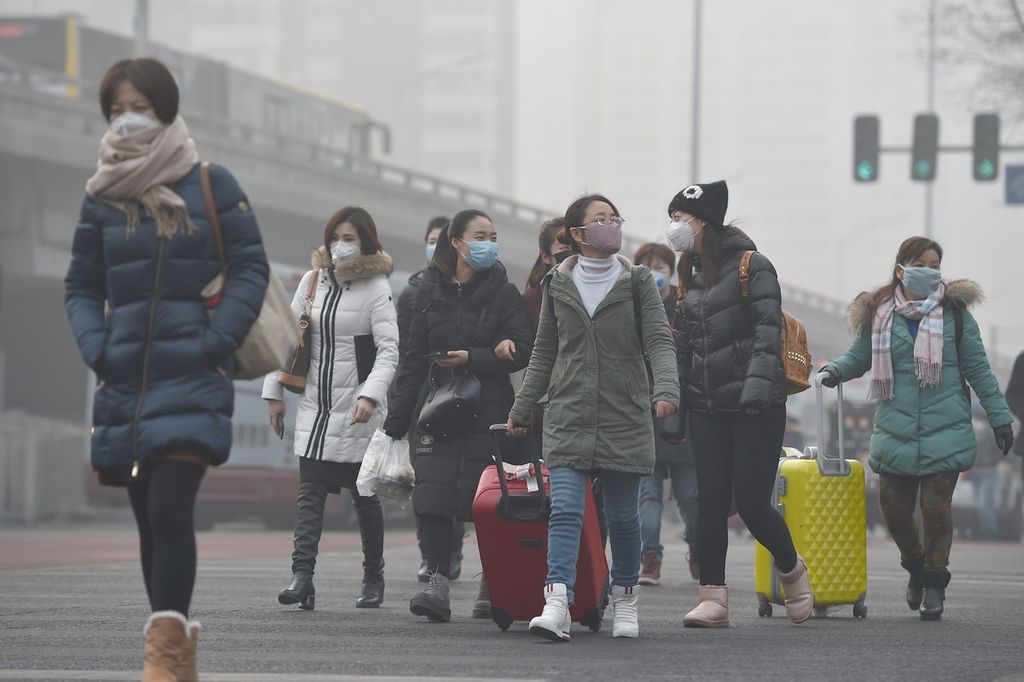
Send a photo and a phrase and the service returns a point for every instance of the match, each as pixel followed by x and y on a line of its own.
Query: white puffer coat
pixel 355 303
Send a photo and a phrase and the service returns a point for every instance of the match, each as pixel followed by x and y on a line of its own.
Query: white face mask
pixel 131 122
pixel 680 236
pixel 344 250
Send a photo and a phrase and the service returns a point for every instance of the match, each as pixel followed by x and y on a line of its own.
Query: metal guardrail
pixel 42 463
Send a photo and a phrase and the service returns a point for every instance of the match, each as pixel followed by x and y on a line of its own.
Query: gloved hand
pixel 1004 438
pixel 832 377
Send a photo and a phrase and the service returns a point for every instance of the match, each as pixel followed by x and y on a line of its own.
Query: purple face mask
pixel 605 237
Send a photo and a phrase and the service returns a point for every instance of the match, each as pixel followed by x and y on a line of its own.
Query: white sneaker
pixel 553 623
pixel 624 601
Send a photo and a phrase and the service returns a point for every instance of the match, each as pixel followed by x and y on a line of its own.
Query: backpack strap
pixel 744 273
pixel 634 284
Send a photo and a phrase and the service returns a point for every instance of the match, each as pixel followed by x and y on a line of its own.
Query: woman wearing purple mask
pixel 590 363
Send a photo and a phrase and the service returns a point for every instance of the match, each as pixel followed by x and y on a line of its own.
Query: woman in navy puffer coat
pixel 143 252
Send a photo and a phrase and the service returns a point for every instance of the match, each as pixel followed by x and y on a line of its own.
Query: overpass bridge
pixel 48 146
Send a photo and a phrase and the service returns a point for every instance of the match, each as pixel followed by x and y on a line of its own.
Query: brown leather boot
pixel 797 586
pixel 166 642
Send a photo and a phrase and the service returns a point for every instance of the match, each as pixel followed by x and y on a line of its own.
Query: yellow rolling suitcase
pixel 822 500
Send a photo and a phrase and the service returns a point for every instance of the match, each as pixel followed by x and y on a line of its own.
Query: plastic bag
pixel 386 470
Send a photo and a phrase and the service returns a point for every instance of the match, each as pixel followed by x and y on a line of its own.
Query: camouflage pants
pixel 897 497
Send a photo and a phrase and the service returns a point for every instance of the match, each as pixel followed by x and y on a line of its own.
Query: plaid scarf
pixel 927 346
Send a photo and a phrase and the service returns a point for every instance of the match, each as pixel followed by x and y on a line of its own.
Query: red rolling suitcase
pixel 512 533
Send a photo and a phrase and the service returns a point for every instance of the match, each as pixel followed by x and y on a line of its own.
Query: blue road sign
pixel 1015 184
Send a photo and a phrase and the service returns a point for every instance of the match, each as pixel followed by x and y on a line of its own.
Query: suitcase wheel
pixel 764 607
pixel 592 619
pixel 860 609
pixel 501 617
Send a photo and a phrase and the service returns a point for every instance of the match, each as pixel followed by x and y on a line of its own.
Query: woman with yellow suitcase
pixel 920 343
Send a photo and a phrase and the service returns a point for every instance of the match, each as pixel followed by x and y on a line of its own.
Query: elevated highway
pixel 48 145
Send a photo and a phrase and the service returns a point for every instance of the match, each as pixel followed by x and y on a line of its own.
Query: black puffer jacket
pixel 475 317
pixel 730 352
pixel 406 308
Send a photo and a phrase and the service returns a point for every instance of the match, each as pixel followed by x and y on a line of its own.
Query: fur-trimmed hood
pixel 962 292
pixel 361 267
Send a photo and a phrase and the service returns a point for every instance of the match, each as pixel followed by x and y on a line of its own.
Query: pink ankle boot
pixel 713 610
pixel 797 586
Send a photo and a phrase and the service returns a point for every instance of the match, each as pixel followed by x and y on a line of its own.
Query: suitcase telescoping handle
pixel 828 466
pixel 505 506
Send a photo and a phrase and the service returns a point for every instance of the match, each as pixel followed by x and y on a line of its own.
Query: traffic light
pixel 924 153
pixel 986 147
pixel 865 149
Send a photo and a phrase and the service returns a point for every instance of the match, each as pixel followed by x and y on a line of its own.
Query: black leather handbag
pixel 293 376
pixel 450 409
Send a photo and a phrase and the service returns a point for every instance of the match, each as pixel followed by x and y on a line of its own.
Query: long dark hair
pixel 365 228
pixel 711 254
pixel 574 217
pixel 549 231
pixel 445 257
pixel 910 250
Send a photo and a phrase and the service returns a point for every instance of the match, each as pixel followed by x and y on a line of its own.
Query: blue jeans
pixel 984 481
pixel 568 495
pixel 683 478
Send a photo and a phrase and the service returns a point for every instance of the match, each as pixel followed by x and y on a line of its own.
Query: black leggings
pixel 163 504
pixel 738 454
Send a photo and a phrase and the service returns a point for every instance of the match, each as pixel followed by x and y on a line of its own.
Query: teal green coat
pixel 589 374
pixel 923 431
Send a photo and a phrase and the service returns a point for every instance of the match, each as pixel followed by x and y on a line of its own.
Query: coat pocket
pixel 366 355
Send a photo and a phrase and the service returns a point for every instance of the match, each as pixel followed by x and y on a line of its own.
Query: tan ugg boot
pixel 797 586
pixel 166 641
pixel 187 671
pixel 713 610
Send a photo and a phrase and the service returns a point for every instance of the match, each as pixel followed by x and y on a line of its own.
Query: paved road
pixel 72 608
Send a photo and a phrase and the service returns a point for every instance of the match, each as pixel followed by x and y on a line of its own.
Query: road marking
pixel 133 676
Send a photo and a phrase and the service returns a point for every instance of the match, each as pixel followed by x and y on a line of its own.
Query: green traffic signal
pixel 922 169
pixel 986 169
pixel 865 171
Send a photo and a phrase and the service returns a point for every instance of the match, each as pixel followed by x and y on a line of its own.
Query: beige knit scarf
pixel 137 169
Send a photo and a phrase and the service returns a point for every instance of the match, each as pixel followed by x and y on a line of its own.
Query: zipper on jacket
pixel 145 357
pixel 704 338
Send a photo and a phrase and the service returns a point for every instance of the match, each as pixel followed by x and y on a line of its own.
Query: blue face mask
pixel 482 255
pixel 431 248
pixel 660 279
pixel 921 281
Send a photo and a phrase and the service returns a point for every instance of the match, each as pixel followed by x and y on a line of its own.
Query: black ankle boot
pixel 301 592
pixel 482 605
pixel 932 603
pixel 372 594
pixel 915 587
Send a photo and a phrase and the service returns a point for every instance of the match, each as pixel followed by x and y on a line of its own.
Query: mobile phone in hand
pixel 438 355
pixel 279 426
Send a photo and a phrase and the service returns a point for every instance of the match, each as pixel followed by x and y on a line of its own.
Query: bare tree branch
pixel 1017 14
